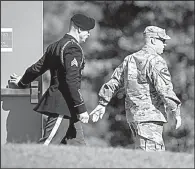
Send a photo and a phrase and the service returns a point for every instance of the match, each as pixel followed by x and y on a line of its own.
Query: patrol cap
pixel 156 32
pixel 83 22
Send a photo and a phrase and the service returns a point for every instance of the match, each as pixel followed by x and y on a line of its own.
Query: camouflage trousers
pixel 147 135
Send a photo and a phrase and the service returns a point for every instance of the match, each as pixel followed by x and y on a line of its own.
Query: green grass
pixel 37 156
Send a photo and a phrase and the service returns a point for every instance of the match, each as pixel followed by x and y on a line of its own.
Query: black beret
pixel 83 22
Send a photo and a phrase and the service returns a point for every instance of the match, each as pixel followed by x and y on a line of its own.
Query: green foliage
pixel 118 33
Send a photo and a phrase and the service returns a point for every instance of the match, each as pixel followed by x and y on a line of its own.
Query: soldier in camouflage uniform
pixel 148 89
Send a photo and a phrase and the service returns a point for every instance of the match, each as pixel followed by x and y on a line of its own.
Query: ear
pixel 78 30
pixel 153 41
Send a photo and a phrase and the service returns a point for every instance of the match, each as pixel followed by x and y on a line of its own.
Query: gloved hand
pixel 83 117
pixel 98 112
pixel 14 79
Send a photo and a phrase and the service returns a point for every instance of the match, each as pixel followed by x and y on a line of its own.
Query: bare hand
pixel 83 117
pixel 178 122
pixel 97 113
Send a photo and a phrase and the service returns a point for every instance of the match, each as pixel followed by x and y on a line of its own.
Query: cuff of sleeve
pixel 81 108
pixel 103 102
pixel 22 85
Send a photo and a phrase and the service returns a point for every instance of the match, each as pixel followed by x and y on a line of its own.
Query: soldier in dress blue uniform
pixel 62 102
pixel 148 90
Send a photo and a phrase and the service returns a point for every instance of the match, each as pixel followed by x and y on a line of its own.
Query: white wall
pixel 18 120
pixel 25 18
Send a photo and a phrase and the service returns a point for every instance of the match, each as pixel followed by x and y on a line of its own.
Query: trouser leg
pixel 148 145
pixel 148 136
pixel 75 135
pixel 55 130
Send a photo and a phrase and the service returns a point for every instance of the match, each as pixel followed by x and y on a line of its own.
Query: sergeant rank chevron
pixel 74 62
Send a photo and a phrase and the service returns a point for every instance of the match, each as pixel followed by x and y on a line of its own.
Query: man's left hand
pixel 83 117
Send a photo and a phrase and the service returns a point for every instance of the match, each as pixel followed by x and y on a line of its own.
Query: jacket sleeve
pixel 161 78
pixel 73 61
pixel 113 85
pixel 33 72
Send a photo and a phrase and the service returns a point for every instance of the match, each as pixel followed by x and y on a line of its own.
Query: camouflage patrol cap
pixel 83 22
pixel 156 32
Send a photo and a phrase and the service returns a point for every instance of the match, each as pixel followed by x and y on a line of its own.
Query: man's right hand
pixel 178 122
pixel 98 112
pixel 83 117
pixel 14 79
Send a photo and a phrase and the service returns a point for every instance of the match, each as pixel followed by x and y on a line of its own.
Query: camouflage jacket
pixel 147 82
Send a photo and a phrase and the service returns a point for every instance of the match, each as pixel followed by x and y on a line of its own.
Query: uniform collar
pixel 149 49
pixel 70 37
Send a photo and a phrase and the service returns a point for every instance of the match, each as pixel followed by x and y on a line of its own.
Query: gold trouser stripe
pixel 54 130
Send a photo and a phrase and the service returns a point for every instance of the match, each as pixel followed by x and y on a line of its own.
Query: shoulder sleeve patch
pixel 164 73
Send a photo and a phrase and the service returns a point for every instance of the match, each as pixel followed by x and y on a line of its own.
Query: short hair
pixel 72 25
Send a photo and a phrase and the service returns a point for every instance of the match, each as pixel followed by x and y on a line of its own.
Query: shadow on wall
pixel 19 123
